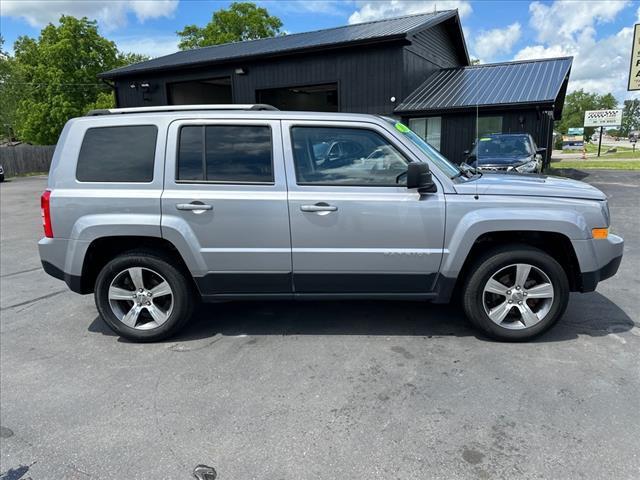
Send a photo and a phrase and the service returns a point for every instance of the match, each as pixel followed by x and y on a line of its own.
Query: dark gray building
pixel 414 67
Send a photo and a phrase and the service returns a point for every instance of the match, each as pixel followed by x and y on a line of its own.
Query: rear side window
pixel 117 154
pixel 225 153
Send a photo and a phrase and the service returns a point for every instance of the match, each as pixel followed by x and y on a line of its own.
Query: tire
pixel 144 317
pixel 507 265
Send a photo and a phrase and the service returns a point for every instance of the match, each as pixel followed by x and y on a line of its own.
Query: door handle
pixel 196 207
pixel 319 207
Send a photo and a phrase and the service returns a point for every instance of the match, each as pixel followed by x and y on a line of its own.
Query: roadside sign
pixel 602 118
pixel 634 68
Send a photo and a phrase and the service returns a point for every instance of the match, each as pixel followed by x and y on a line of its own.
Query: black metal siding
pixel 367 78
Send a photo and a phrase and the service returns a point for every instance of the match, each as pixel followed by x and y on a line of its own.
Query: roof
pixel 497 84
pixel 387 29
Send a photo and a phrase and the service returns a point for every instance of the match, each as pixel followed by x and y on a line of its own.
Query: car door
pixel 224 205
pixel 355 227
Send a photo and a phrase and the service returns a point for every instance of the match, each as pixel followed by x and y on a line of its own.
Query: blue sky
pixel 597 33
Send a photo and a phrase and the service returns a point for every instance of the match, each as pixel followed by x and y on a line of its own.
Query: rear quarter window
pixel 117 154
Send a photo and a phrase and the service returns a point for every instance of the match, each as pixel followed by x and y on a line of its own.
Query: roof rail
pixel 179 108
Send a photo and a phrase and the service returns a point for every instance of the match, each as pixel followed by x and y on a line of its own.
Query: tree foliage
pixel 578 102
pixel 54 77
pixel 241 21
pixel 630 117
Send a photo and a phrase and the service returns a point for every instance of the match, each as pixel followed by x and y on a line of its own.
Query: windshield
pixel 501 146
pixel 435 156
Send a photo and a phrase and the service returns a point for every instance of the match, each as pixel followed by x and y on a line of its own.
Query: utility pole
pixel 600 141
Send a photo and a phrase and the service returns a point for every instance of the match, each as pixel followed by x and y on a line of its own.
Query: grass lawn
pixel 593 163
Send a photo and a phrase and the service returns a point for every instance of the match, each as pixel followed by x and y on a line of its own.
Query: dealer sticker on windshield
pixel 401 127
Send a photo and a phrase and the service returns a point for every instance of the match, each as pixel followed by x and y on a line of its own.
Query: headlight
pixel 528 167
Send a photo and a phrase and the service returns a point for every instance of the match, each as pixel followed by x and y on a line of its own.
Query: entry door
pixel 355 227
pixel 225 200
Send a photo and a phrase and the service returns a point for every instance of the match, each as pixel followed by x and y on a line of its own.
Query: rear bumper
pixel 59 259
pixel 72 281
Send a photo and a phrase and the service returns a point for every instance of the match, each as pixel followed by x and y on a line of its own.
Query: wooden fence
pixel 21 159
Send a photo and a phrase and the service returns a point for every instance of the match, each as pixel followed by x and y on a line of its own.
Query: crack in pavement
pixel 20 272
pixel 33 300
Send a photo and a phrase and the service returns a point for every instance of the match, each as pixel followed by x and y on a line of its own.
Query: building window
pixel 117 154
pixel 225 154
pixel 346 157
pixel 429 129
pixel 488 125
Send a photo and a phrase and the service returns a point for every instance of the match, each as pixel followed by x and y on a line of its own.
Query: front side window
pixel 346 157
pixel 117 154
pixel 225 153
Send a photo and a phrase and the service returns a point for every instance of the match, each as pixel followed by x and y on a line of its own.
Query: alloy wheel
pixel 518 296
pixel 140 298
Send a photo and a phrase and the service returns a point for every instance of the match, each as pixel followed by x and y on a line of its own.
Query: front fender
pixel 463 230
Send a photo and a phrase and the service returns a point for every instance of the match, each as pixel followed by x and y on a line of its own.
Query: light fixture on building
pixel 144 85
pixel 393 99
pixel 133 85
pixel 240 71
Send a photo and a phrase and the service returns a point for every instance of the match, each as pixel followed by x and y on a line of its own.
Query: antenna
pixel 477 147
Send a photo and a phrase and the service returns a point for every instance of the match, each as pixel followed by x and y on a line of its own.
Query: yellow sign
pixel 634 71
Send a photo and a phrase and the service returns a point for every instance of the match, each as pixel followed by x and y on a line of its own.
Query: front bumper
pixel 607 256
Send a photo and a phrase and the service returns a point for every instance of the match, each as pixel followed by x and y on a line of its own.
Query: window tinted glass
pixel 190 161
pixel 238 154
pixel 229 153
pixel 346 156
pixel 117 154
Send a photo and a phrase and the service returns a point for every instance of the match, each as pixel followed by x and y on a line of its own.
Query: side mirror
pixel 540 151
pixel 419 176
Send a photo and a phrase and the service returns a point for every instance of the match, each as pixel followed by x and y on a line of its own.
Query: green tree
pixel 630 117
pixel 10 92
pixel 241 21
pixel 576 103
pixel 60 70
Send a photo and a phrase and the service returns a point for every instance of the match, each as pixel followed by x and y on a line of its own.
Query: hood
pixel 500 160
pixel 529 185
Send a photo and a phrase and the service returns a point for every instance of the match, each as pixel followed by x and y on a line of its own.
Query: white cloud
pixel 600 65
pixel 566 19
pixel 490 43
pixel 109 13
pixel 379 9
pixel 155 46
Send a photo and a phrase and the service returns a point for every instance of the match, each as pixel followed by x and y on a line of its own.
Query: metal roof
pixel 369 31
pixel 525 82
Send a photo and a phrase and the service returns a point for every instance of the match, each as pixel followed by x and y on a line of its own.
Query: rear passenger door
pixel 225 203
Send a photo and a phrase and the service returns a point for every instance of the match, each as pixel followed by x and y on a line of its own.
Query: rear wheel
pixel 143 297
pixel 516 292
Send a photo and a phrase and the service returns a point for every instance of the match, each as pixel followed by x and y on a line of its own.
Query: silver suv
pixel 153 209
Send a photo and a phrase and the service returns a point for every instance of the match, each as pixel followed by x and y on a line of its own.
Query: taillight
pixel 45 210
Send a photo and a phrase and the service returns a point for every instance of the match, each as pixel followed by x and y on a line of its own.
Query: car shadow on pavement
pixel 590 314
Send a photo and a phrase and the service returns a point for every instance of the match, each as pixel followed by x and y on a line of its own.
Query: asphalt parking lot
pixel 305 390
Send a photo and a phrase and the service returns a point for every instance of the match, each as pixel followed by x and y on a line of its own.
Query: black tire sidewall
pixel 491 264
pixel 183 298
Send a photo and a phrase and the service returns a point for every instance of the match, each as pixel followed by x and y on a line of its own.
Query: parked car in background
pixel 506 152
pixel 152 209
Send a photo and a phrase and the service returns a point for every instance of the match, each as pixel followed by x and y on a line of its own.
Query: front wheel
pixel 143 297
pixel 516 292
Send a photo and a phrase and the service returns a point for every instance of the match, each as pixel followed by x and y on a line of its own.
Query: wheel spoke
pixel 497 314
pixel 522 273
pixel 529 318
pixel 131 318
pixel 158 315
pixel 116 293
pixel 544 290
pixel 496 287
pixel 136 277
pixel 161 289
